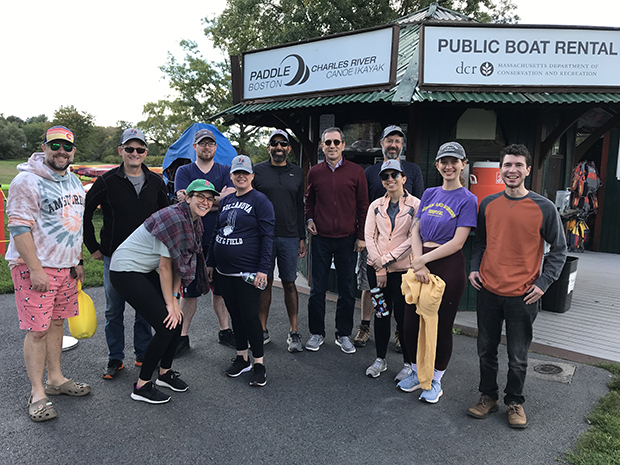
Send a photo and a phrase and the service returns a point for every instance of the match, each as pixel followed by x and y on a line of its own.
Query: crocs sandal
pixel 41 410
pixel 69 388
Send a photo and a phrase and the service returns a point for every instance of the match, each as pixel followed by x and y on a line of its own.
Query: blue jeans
pixel 492 310
pixel 114 322
pixel 322 249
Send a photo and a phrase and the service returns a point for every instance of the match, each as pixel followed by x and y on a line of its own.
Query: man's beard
pixel 391 155
pixel 278 157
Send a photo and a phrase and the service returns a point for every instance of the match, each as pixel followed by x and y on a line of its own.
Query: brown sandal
pixel 69 388
pixel 41 410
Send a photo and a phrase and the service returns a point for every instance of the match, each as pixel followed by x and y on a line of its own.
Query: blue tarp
pixel 183 147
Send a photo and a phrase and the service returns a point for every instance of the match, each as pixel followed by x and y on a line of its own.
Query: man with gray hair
pixel 336 207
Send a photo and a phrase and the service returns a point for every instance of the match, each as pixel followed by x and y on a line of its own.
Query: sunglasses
pixel 203 198
pixel 55 147
pixel 130 150
pixel 386 176
pixel 328 142
pixel 283 143
pixel 205 143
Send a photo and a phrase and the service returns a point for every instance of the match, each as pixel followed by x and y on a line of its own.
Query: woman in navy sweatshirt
pixel 240 253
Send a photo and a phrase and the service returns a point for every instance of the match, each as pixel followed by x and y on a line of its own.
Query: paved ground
pixel 316 408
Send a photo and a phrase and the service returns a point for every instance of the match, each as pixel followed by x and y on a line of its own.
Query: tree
pixel 12 138
pixel 82 124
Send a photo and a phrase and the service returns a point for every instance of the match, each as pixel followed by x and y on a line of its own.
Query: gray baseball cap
pixel 241 163
pixel 279 132
pixel 390 130
pixel 391 165
pixel 204 134
pixel 451 149
pixel 132 133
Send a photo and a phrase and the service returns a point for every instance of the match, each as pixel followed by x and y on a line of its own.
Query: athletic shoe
pixel 171 380
pixel 402 374
pixel 294 342
pixel 182 347
pixel 432 395
pixel 227 337
pixel 314 342
pixel 114 367
pixel 362 336
pixel 398 347
pixel 483 407
pixel 410 383
pixel 258 377
pixel 148 393
pixel 239 365
pixel 345 344
pixel 516 416
pixel 266 338
pixel 378 367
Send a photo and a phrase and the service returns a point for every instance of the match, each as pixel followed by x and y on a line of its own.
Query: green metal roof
pixel 408 77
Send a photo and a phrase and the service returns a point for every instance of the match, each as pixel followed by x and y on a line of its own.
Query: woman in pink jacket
pixel 388 239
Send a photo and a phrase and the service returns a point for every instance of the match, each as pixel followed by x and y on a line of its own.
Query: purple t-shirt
pixel 441 212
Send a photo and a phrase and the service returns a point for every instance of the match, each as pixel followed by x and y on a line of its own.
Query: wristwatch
pixel 177 295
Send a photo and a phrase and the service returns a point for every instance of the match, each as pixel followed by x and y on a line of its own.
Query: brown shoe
pixel 362 336
pixel 516 416
pixel 484 406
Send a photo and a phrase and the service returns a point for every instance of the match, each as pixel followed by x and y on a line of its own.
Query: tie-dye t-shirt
pixel 52 208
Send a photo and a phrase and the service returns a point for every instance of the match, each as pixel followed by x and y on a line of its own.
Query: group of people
pixel 231 226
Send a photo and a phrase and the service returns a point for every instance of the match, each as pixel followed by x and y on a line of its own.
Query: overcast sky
pixel 104 58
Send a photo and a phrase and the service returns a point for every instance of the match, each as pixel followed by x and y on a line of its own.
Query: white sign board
pixel 348 61
pixel 518 56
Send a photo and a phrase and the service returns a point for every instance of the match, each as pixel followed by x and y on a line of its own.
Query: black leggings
pixel 143 292
pixel 242 301
pixel 452 270
pixel 395 301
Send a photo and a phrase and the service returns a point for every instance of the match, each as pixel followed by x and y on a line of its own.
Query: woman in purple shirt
pixel 444 219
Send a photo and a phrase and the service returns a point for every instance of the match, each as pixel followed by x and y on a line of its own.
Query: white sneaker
pixel 378 367
pixel 402 374
pixel 314 342
pixel 345 344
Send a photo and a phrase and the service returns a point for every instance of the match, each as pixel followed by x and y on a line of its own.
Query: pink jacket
pixel 391 247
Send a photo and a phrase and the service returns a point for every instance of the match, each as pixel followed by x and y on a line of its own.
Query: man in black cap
pixel 391 142
pixel 283 184
pixel 217 174
pixel 128 195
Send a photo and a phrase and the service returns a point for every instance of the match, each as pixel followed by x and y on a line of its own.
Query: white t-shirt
pixel 140 253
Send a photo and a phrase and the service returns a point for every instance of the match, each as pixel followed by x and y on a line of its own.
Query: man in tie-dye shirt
pixel 45 210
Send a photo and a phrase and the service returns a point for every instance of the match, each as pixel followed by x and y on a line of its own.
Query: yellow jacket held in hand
pixel 427 299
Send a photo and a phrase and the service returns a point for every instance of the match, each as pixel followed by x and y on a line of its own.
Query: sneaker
pixel 148 393
pixel 239 365
pixel 314 342
pixel 398 347
pixel 362 336
pixel 432 395
pixel 258 376
pixel 266 338
pixel 483 407
pixel 345 344
pixel 378 367
pixel 294 342
pixel 410 383
pixel 114 367
pixel 402 374
pixel 182 347
pixel 227 337
pixel 171 380
pixel 516 416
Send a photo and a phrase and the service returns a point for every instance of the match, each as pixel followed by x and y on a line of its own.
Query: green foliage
pixel 154 161
pixel 12 138
pixel 82 125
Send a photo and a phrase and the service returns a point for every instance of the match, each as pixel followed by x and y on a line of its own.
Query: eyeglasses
pixel 55 147
pixel 386 176
pixel 328 142
pixel 130 150
pixel 283 143
pixel 203 198
pixel 209 143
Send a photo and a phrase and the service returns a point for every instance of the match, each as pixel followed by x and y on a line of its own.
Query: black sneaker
pixel 171 380
pixel 183 346
pixel 148 393
pixel 239 365
pixel 227 337
pixel 259 375
pixel 114 367
pixel 266 338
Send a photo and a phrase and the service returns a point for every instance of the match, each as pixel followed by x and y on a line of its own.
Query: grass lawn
pixel 8 170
